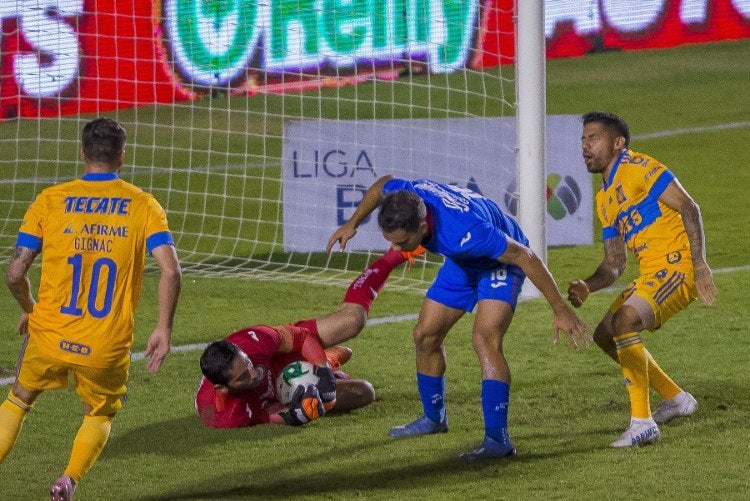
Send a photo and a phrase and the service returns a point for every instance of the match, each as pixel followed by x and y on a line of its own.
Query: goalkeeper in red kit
pixel 239 372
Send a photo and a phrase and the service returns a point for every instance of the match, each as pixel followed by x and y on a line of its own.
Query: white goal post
pixel 531 113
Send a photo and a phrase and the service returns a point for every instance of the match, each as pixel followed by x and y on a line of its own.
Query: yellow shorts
pixel 668 291
pixel 101 388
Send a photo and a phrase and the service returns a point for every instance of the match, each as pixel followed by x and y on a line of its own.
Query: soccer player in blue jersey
pixel 486 261
pixel 642 207
pixel 93 234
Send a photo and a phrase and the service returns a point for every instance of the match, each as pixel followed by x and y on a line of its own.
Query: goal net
pixel 258 125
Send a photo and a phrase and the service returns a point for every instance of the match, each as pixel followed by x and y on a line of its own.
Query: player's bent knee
pixel 352 394
pixel 603 339
pixel 357 322
pixel 344 324
pixel 425 340
pixel 367 391
pixel 627 319
pixel 22 394
pixel 486 342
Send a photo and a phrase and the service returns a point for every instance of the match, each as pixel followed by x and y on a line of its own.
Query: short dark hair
pixel 103 141
pixel 401 210
pixel 217 359
pixel 613 123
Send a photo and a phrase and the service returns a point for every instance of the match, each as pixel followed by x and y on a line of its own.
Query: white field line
pixel 140 170
pixel 373 321
pixel 690 130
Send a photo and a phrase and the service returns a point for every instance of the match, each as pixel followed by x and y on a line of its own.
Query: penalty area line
pixel 373 321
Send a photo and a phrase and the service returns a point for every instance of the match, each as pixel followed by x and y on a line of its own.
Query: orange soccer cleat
pixel 411 255
pixel 337 356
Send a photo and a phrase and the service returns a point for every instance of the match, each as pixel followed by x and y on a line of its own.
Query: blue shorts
pixel 461 288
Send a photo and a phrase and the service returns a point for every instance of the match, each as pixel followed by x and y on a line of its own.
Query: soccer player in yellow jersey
pixel 93 234
pixel 643 207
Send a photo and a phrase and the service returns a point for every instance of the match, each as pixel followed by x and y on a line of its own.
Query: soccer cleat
pixel 62 489
pixel 422 426
pixel 641 432
pixel 683 404
pixel 337 356
pixel 490 449
pixel 410 255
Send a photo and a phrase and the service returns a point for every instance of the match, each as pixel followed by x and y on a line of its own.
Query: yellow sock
pixel 660 381
pixel 12 414
pixel 634 362
pixel 88 444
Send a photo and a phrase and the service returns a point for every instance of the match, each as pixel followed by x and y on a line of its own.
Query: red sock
pixel 365 288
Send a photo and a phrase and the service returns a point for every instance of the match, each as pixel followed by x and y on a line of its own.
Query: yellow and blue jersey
pixel 93 234
pixel 628 205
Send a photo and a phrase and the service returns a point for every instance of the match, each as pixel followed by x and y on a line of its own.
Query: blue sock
pixel 495 395
pixel 432 394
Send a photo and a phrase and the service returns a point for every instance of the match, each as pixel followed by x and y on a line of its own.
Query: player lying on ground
pixel 238 388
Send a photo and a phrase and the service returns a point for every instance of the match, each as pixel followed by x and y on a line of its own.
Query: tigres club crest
pixel 621 198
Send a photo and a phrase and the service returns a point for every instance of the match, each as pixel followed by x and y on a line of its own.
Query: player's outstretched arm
pixel 704 282
pixel 605 275
pixel 565 319
pixel 370 201
pixel 170 282
pixel 677 198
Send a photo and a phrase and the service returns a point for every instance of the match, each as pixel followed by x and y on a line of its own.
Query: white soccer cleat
pixel 683 404
pixel 62 489
pixel 640 432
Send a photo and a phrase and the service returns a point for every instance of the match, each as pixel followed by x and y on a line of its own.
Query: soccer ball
pixel 293 375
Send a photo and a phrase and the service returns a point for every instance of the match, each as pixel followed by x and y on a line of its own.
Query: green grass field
pixel 566 406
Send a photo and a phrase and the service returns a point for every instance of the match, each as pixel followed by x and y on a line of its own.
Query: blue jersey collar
pixel 100 176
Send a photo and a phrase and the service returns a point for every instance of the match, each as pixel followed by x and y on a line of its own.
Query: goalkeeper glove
pixel 326 386
pixel 305 406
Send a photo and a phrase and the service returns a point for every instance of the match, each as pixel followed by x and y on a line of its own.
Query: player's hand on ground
pixel 342 235
pixel 305 406
pixel 158 348
pixel 578 291
pixel 326 386
pixel 575 329
pixel 704 283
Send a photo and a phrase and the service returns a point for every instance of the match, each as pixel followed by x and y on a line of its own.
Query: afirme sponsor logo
pixel 105 230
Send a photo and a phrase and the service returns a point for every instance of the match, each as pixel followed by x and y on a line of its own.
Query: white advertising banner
pixel 329 164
